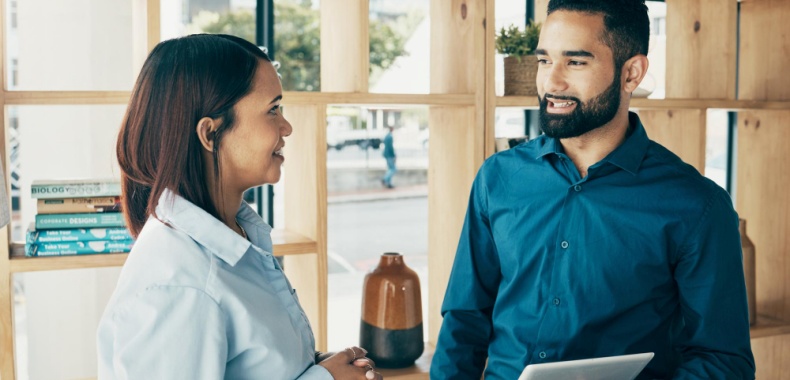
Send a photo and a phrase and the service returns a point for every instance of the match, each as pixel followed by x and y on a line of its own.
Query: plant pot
pixel 391 325
pixel 520 74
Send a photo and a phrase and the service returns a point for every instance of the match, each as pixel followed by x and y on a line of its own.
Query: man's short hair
pixel 627 24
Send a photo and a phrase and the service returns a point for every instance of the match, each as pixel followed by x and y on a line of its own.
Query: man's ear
pixel 205 130
pixel 634 70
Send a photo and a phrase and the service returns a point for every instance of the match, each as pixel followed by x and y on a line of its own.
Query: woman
pixel 200 296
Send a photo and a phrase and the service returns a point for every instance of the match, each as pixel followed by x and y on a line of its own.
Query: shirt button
pixel 564 244
pixel 577 188
pixel 542 355
pixel 556 302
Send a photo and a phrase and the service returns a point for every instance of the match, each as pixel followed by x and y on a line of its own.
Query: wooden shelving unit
pixel 664 104
pixel 285 243
pixel 700 76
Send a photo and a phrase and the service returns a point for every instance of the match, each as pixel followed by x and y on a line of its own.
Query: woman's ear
pixel 634 70
pixel 205 130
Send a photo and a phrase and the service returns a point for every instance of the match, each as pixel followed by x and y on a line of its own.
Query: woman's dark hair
pixel 183 80
pixel 626 21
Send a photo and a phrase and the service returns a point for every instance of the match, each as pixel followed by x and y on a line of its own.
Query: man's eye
pixel 576 63
pixel 274 109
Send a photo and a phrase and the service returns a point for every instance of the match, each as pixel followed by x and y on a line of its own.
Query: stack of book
pixel 76 217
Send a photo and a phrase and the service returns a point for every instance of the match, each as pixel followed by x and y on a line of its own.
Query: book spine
pixel 75 190
pixel 77 234
pixel 78 248
pixel 53 221
pixel 78 205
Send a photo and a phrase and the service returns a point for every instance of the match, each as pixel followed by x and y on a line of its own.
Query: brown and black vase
pixel 391 325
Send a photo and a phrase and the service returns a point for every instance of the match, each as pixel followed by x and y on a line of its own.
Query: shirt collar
pixel 209 231
pixel 628 156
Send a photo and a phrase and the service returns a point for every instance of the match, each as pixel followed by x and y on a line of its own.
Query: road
pixel 359 232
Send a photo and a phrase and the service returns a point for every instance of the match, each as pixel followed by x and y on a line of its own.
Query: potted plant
pixel 521 64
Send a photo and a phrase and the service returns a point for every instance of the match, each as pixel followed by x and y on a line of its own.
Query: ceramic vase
pixel 391 323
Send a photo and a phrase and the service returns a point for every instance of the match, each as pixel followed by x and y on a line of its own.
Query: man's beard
pixel 585 117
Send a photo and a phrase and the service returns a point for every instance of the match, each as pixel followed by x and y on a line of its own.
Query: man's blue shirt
pixel 641 255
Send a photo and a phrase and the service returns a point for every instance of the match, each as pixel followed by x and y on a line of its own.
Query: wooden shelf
pixel 285 243
pixel 67 97
pixel 659 104
pixel 289 243
pixel 767 326
pixel 289 97
pixel 312 98
pixel 419 371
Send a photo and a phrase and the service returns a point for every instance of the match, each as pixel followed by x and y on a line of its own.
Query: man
pixel 593 240
pixel 389 155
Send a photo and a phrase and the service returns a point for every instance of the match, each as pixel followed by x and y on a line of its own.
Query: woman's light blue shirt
pixel 197 301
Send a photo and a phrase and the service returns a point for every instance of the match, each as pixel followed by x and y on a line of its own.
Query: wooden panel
pixel 701 49
pixel 295 97
pixel 345 51
pixel 663 104
pixel 681 131
pixel 490 91
pixel 541 7
pixel 305 200
pixel 770 357
pixel 153 11
pixel 457 40
pixel 67 97
pixel 459 55
pixel 765 50
pixel 450 175
pixel 766 326
pixel 285 243
pixel 762 199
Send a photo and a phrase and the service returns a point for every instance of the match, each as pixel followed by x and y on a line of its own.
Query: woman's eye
pixel 543 61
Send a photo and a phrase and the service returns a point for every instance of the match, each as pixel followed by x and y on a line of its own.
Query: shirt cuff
pixel 316 372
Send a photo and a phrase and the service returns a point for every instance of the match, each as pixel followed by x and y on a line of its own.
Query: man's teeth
pixel 278 152
pixel 563 104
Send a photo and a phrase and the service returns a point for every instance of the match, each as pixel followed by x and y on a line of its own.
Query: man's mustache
pixel 560 97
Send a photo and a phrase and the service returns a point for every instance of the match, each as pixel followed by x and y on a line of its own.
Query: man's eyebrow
pixel 568 53
pixel 578 53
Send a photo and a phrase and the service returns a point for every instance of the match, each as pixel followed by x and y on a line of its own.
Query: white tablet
pixel 624 367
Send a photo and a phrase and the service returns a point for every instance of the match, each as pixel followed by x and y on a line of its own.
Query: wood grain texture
pixel 154 34
pixel 345 54
pixel 681 131
pixel 541 7
pixel 450 176
pixel 765 50
pixel 289 98
pixel 489 113
pixel 770 356
pixel 664 104
pixel 762 200
pixel 460 48
pixel 701 49
pixel 305 202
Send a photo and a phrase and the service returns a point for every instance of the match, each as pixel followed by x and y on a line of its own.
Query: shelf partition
pixel 285 243
pixel 663 104
pixel 289 97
